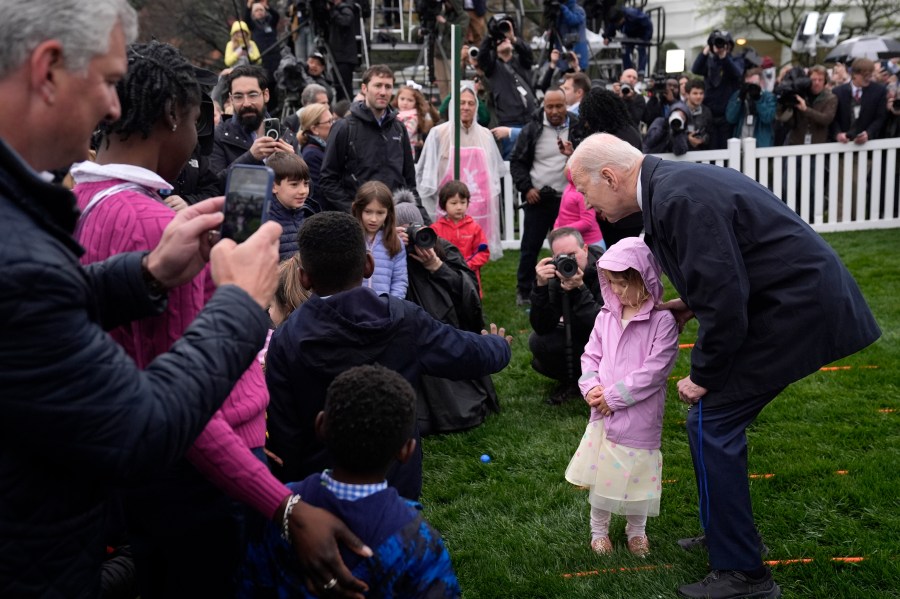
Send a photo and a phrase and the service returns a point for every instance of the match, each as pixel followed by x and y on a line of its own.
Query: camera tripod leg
pixel 332 66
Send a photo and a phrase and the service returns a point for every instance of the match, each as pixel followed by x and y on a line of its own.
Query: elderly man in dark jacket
pixel 774 304
pixel 78 416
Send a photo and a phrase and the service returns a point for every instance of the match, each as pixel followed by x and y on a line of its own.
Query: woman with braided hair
pixel 186 527
pixel 602 111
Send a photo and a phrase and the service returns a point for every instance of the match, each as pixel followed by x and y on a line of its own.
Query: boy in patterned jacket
pixel 368 422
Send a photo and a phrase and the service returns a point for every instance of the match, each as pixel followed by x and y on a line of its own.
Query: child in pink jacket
pixel 625 366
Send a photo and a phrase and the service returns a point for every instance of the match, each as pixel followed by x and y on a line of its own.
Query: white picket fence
pixel 818 181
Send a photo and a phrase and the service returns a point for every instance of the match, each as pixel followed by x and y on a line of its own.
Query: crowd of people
pixel 165 387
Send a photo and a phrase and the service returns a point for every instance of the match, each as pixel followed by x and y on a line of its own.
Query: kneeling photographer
pixel 752 111
pixel 806 105
pixel 442 284
pixel 565 302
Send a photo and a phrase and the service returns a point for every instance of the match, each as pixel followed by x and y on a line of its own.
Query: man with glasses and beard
pixel 242 139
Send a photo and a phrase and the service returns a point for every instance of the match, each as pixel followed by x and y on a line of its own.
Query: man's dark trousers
pixel 537 220
pixel 731 534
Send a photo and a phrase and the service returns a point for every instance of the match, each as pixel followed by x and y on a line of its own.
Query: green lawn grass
pixel 515 527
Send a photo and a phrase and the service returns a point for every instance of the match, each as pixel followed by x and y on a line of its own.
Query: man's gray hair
pixel 82 26
pixel 310 92
pixel 603 150
pixel 565 232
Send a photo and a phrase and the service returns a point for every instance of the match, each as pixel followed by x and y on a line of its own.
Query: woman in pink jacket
pixel 625 366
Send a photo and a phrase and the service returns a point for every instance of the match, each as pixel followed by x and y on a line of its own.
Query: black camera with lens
pixel 794 84
pixel 421 236
pixel 566 265
pixel 751 90
pixel 499 26
pixel 719 39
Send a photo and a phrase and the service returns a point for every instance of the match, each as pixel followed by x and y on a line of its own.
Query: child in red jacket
pixel 460 229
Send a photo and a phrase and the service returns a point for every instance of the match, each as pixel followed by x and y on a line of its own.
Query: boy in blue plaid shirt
pixel 368 421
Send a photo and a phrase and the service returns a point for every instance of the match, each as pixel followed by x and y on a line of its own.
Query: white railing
pixel 833 187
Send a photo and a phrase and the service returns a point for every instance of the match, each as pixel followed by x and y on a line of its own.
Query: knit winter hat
pixel 406 210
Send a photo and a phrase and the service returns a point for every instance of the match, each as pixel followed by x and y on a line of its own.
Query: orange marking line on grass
pixel 887 410
pixel 806 560
pixel 614 571
pixel 842 472
pixel 685 345
pixel 670 481
pixel 767 475
pixel 835 368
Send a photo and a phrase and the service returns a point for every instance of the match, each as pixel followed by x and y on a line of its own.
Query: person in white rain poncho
pixel 480 165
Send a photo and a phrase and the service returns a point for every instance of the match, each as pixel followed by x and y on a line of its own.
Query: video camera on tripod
pixel 550 13
pixel 428 11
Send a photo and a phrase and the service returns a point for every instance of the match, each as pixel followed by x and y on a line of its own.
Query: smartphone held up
pixel 248 193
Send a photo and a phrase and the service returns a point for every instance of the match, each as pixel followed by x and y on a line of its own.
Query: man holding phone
pixel 250 135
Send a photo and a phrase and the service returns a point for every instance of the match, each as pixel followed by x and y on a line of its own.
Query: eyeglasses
pixel 252 97
pixel 323 123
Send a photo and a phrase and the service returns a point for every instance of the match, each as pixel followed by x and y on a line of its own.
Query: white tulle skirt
pixel 620 479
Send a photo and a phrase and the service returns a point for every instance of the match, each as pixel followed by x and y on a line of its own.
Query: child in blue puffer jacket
pixel 373 206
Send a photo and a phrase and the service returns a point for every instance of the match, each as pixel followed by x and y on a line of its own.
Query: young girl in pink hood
pixel 625 366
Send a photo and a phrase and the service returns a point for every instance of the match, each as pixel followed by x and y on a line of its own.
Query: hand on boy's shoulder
pixel 500 332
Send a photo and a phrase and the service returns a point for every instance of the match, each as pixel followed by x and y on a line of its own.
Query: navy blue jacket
pixel 410 559
pixel 313 153
pixel 323 338
pixel 290 221
pixel 637 25
pixel 872 113
pixel 773 300
pixel 76 415
pixel 723 77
